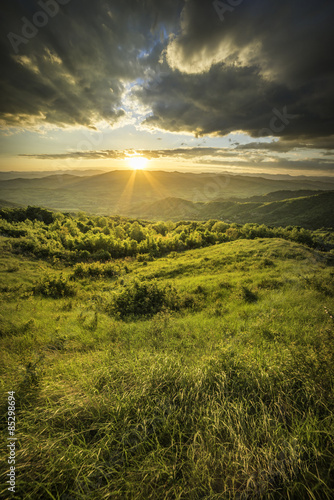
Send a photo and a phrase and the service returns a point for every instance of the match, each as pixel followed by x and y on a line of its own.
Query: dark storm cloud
pixel 73 69
pixel 260 67
pixel 285 146
pixel 220 101
pixel 288 40
pixel 265 69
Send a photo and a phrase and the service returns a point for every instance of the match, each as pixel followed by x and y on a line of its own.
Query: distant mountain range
pixel 313 212
pixel 34 174
pixel 175 195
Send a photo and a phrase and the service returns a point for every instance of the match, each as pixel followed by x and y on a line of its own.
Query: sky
pixel 244 86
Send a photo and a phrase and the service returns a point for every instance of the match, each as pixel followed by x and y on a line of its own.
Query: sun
pixel 138 162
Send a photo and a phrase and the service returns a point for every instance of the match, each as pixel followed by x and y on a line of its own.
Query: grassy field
pixel 203 374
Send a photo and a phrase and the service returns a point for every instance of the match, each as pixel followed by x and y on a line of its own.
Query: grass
pixel 228 397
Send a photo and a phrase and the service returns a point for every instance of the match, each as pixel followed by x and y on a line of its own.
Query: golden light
pixel 138 162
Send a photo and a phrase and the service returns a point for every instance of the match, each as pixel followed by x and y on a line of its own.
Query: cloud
pixel 230 98
pixel 287 41
pixel 217 102
pixel 78 155
pixel 185 153
pixel 285 146
pixel 258 156
pixel 150 154
pixel 74 70
pixel 265 69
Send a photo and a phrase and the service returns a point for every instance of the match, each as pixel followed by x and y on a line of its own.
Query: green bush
pixel 143 299
pixel 25 245
pixel 144 257
pixel 82 255
pixel 189 302
pixel 247 295
pixel 267 263
pixel 101 255
pixel 95 270
pixel 55 286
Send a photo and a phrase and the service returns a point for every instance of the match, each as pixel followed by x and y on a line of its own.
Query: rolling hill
pixel 122 192
pixel 312 212
pixel 205 370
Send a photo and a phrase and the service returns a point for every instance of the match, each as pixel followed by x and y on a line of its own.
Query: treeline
pixel 83 238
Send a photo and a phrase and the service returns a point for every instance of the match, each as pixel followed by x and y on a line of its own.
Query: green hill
pixel 8 204
pixel 311 212
pixel 143 369
pixel 122 192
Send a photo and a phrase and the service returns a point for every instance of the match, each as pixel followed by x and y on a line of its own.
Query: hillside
pixel 120 192
pixel 311 212
pixel 194 373
pixel 8 204
pixel 31 174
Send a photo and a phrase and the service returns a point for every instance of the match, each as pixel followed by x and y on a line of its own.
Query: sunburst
pixel 138 162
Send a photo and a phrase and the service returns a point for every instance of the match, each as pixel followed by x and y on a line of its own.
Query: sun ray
pixel 157 186
pixel 135 185
pixel 126 196
pixel 137 162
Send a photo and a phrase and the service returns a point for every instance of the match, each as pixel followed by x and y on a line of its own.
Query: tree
pixel 136 232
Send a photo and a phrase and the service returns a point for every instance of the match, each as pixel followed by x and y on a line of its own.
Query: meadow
pixel 166 360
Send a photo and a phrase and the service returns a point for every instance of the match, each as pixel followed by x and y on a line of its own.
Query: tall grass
pixel 227 396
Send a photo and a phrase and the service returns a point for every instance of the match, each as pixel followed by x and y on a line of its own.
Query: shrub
pixel 109 270
pixel 189 302
pixel 247 295
pixel 172 255
pixel 101 255
pixel 25 245
pixel 95 270
pixel 12 231
pixel 144 257
pixel 55 286
pixel 83 255
pixel 200 290
pixel 267 263
pixel 143 299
